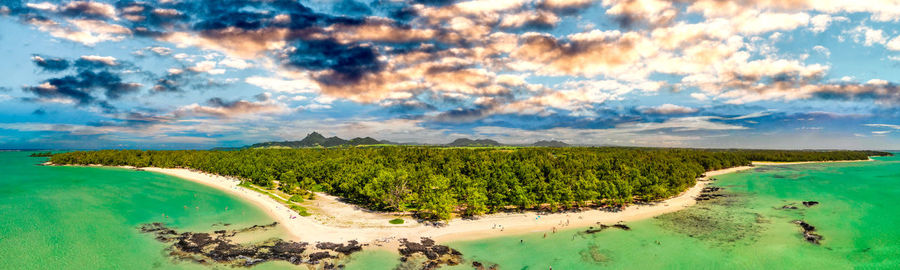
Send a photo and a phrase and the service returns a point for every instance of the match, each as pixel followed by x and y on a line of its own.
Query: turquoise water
pixel 86 218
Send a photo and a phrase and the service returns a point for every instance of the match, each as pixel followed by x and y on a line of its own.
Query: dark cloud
pixel 438 3
pixel 69 88
pixel 565 7
pixel 79 87
pixel 347 63
pixel 885 93
pixel 261 97
pixel 467 114
pixel 87 63
pixel 52 64
pixel 88 9
pixel 183 79
pixel 92 74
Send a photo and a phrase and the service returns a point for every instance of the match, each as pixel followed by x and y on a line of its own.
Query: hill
pixel 465 142
pixel 317 140
pixel 552 143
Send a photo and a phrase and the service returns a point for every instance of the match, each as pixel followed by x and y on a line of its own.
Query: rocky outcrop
pixel 809 233
pixel 810 203
pixel 709 193
pixel 593 230
pixel 219 247
pixel 435 255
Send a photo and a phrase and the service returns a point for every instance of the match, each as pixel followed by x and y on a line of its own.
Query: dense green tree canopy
pixel 439 182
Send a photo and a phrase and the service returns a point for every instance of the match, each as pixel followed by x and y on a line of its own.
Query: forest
pixel 437 183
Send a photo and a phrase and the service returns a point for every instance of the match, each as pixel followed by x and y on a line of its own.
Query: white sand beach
pixel 372 227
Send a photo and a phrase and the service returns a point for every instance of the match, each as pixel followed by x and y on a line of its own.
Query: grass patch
pixel 396 221
pixel 301 210
pixel 296 198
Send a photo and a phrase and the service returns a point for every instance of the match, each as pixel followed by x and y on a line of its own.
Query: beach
pixel 311 229
pixel 767 163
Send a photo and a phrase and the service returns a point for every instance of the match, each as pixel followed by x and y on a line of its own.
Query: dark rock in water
pixel 708 193
pixel 592 230
pixel 809 232
pixel 480 266
pixel 804 225
pixel 810 203
pixel 435 255
pixel 219 247
pixel 812 237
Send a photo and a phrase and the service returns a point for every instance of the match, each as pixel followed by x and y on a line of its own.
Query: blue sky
pixel 199 74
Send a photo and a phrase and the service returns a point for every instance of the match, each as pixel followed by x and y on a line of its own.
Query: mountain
pixel 465 142
pixel 552 143
pixel 316 140
pixel 365 141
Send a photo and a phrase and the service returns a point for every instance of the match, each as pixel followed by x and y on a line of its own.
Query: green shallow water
pixel 86 218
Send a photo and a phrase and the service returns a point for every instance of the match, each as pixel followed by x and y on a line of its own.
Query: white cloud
pixel 235 63
pixel 821 49
pixel 203 66
pixel 883 126
pixel 276 84
pixel 894 44
pixel 669 109
pixel 108 60
pixel 699 96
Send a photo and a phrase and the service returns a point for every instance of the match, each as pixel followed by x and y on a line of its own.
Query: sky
pixel 180 74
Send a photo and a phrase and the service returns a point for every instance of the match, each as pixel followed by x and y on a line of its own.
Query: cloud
pixel 894 44
pixel 95 62
pixel 674 132
pixel 52 64
pixel 78 88
pixel 85 31
pixel 92 73
pixel 821 49
pixel 669 109
pixel 293 86
pixel 218 107
pixel 867 36
pixel 89 9
pixel 883 126
pixel 649 12
pixel 586 54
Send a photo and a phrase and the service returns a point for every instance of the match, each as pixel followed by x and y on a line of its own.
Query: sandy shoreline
pixel 311 229
pixel 767 163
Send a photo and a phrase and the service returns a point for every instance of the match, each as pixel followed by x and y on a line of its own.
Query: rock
pixel 204 247
pixel 436 255
pixel 788 207
pixel 809 232
pixel 810 203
